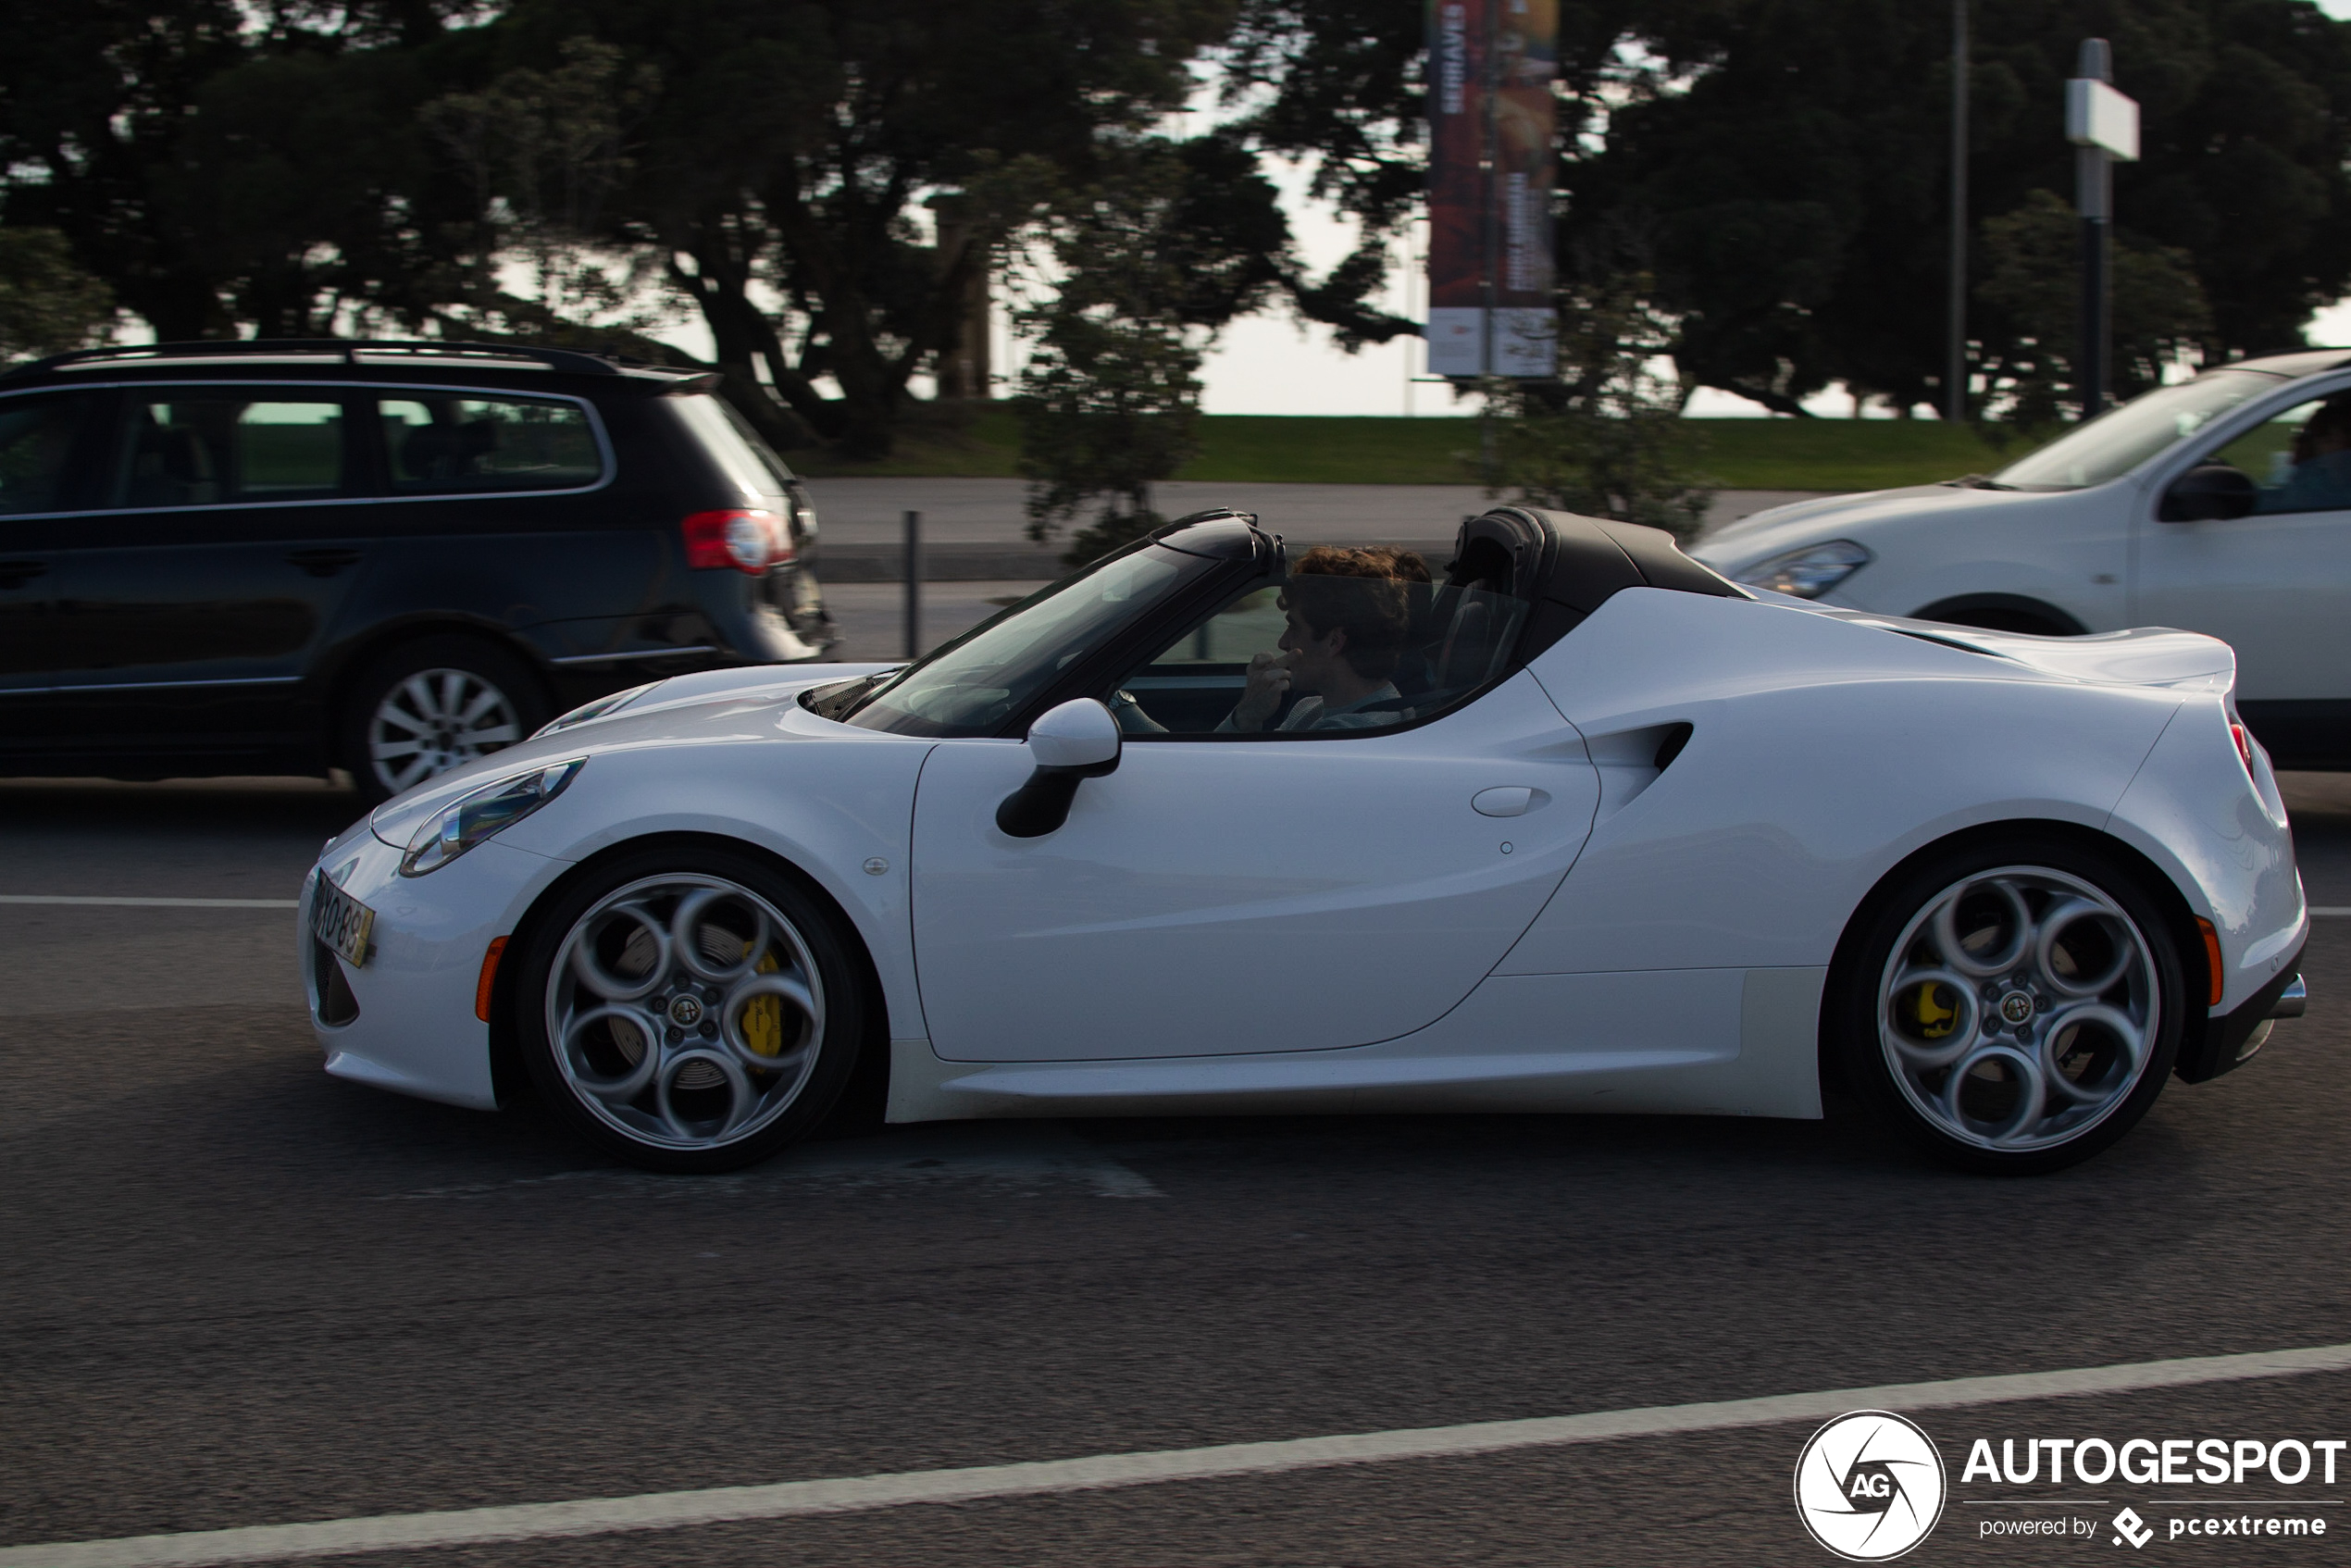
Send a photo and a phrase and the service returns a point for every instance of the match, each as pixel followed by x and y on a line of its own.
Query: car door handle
pixel 16 574
pixel 1509 799
pixel 323 563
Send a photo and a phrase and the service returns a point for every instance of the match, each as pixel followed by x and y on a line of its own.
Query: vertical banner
pixel 1457 270
pixel 1491 121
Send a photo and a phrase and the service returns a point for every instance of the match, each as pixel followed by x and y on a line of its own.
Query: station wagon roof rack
pixel 314 351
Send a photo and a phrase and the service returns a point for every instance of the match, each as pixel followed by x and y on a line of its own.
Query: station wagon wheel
pixel 690 1011
pixel 2016 1009
pixel 432 705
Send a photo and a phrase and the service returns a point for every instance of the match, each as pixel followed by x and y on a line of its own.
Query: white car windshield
pixel 2120 440
pixel 967 686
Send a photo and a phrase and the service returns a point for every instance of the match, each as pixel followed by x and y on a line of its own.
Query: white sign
pixel 2096 115
pixel 1523 340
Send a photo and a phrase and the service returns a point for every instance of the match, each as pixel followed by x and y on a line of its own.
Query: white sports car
pixel 1580 826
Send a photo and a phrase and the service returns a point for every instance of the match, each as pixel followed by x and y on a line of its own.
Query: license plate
pixel 341 922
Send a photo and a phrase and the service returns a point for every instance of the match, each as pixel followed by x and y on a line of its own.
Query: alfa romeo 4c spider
pixel 1568 824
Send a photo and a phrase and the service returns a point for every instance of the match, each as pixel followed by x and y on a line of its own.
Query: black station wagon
pixel 286 557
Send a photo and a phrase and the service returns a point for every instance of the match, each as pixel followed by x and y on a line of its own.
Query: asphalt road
pixel 233 1291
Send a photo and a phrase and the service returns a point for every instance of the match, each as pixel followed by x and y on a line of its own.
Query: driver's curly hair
pixel 1365 593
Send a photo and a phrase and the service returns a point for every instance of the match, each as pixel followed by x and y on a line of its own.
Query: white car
pixel 2221 505
pixel 1614 835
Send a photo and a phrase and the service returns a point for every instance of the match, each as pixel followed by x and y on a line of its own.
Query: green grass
pixel 1320 449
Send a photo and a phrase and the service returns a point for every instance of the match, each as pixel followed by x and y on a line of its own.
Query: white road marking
pixel 154 903
pixel 2323 911
pixel 669 1511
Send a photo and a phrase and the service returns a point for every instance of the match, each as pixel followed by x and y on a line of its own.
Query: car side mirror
pixel 2207 492
pixel 1080 739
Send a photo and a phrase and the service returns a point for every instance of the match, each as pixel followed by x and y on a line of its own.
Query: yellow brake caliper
pixel 763 1016
pixel 1933 1019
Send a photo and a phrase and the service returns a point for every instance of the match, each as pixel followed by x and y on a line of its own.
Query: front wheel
pixel 2014 1006
pixel 689 1008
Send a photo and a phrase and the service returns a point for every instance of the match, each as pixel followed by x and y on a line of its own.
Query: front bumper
pixel 404 1020
pixel 2231 1039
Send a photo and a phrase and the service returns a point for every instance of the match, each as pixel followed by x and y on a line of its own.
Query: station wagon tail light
pixel 748 541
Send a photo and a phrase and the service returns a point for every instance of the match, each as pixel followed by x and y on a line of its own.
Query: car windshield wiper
pixel 1977 481
pixel 838 702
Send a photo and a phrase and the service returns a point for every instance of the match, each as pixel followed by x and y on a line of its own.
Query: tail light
pixel 747 540
pixel 2216 976
pixel 2245 745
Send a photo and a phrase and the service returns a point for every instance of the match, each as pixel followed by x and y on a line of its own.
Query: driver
pixel 2321 476
pixel 1349 615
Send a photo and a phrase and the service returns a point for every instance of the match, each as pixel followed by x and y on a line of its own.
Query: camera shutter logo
pixel 1870 1486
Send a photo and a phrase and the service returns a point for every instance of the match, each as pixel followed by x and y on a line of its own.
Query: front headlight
pixel 469 819
pixel 1810 572
pixel 596 709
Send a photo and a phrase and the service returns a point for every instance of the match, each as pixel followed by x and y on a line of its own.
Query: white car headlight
pixel 1810 572
pixel 596 709
pixel 469 819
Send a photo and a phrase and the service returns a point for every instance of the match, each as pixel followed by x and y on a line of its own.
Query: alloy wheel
pixel 434 719
pixel 685 1012
pixel 2019 1009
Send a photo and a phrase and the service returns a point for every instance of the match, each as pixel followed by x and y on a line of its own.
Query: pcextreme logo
pixel 1870 1486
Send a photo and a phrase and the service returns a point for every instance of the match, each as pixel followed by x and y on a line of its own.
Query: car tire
pixel 428 705
pixel 657 1038
pixel 2012 1005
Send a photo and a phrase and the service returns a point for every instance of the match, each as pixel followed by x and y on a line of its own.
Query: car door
pixel 2274 584
pixel 507 510
pixel 190 604
pixel 46 441
pixel 1223 892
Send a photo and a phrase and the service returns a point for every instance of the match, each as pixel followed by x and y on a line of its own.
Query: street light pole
pixel 1954 364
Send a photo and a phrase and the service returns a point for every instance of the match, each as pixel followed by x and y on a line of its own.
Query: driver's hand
pixel 1268 683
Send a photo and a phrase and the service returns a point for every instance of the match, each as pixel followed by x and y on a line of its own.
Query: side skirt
pixel 1736 1043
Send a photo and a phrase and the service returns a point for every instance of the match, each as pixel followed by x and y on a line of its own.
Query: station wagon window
pixel 204 448
pixel 445 445
pixel 37 437
pixel 726 436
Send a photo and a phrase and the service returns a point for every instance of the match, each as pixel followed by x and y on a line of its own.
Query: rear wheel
pixel 689 1008
pixel 428 705
pixel 2014 1006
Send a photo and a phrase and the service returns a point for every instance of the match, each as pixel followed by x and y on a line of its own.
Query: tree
pixel 1798 186
pixel 542 151
pixel 779 175
pixel 1607 439
pixel 47 305
pixel 1176 241
pixel 2033 261
pixel 1789 160
pixel 218 165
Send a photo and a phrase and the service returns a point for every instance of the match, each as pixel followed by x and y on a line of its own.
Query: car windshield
pixel 967 686
pixel 2120 440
